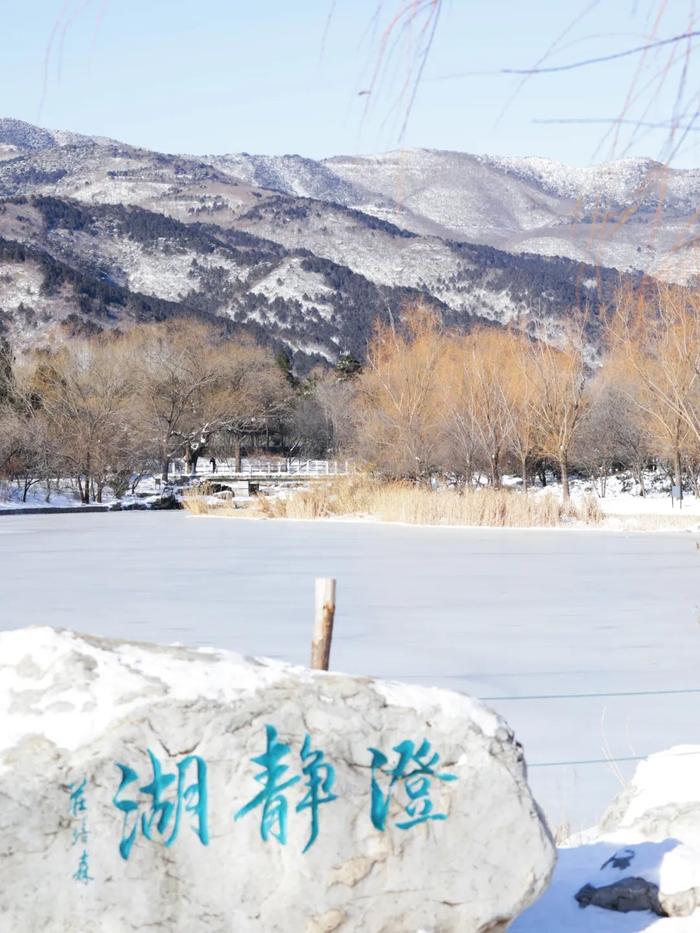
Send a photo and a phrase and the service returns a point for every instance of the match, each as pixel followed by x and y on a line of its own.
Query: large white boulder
pixel 182 790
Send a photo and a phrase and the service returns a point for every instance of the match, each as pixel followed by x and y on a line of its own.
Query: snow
pixel 31 656
pixel 617 181
pixel 289 281
pixel 557 911
pixel 660 779
pixel 67 496
pixel 107 679
pixel 667 779
pixel 507 615
pixel 625 510
pixel 451 704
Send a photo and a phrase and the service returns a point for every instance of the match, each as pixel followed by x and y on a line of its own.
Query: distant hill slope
pixel 307 254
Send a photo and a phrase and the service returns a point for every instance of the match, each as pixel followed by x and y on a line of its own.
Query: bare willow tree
pixel 460 445
pixel 79 397
pixel 250 390
pixel 173 368
pixel 654 339
pixel 559 400
pixel 481 396
pixel 520 374
pixel 657 80
pixel 612 434
pixel 191 384
pixel 402 420
pixel 323 417
pixel 29 454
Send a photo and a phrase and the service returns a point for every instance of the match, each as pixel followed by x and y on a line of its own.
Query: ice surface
pixel 492 612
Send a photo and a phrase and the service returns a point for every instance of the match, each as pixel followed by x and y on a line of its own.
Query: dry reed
pixel 415 505
pixel 197 502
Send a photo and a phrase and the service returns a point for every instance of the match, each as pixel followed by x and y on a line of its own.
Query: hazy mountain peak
pixel 30 138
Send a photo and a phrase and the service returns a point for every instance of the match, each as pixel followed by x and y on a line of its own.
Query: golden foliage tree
pixel 402 421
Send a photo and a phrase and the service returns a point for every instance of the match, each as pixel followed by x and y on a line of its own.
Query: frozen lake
pixel 512 615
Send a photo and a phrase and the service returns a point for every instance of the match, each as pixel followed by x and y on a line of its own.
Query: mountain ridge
pixel 308 253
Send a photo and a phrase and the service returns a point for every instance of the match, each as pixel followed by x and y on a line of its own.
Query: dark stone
pixel 624 895
pixel 167 501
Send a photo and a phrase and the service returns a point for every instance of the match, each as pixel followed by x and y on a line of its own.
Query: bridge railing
pixel 259 467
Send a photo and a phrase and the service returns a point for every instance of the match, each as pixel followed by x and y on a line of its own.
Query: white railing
pixel 262 468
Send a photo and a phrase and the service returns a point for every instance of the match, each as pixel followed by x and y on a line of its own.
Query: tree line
pixel 106 409
pixel 497 400
pixel 428 402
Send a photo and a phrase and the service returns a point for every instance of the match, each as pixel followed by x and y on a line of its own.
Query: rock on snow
pixel 192 790
pixel 645 851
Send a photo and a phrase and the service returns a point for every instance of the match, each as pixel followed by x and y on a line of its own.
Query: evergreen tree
pixel 347 366
pixel 284 361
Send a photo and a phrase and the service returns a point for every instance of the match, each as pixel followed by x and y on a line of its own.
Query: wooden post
pixel 323 623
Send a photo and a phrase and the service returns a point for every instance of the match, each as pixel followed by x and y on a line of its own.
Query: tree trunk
pixel 237 452
pixel 469 472
pixel 695 485
pixel 165 469
pixel 603 479
pixel 88 480
pixel 564 468
pixel 191 457
pixel 677 473
pixel 523 464
pixel 495 471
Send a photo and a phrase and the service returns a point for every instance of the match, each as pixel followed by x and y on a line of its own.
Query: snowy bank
pixel 644 854
pixel 197 790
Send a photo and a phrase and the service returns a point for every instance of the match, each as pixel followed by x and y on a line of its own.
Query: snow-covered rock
pixel 644 856
pixel 662 799
pixel 144 787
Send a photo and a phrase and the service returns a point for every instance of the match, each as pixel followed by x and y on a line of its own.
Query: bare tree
pixel 402 421
pixel 460 448
pixel 654 337
pixel 82 392
pixel 520 387
pixel 174 368
pixel 559 400
pixel 481 396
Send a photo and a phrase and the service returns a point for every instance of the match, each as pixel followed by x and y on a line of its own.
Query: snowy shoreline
pixel 609 524
pixel 623 522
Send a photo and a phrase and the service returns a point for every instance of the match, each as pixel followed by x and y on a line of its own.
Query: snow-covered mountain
pixel 307 253
pixel 634 214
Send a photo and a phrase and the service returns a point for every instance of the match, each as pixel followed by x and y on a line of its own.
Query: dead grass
pixel 651 522
pixel 407 503
pixel 589 511
pixel 197 502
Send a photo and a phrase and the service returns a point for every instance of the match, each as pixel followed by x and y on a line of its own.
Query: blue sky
pixel 278 76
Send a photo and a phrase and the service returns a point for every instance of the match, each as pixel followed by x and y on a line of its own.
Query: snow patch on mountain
pixel 290 282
